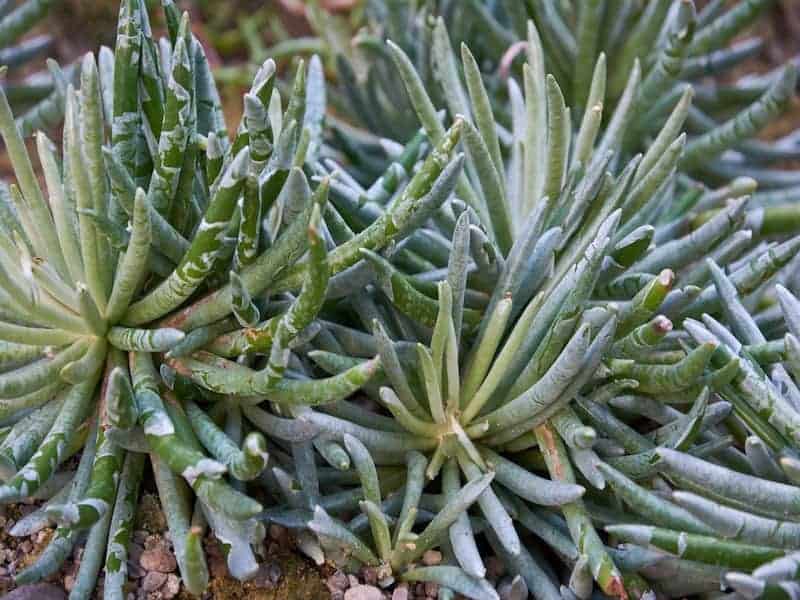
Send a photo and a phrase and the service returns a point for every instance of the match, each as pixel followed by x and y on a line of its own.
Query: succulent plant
pixel 112 273
pixel 38 97
pixel 672 44
pixel 542 324
pixel 570 290
pixel 573 265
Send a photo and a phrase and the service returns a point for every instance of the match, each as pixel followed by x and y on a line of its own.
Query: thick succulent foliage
pixel 580 305
pixel 666 42
pixel 145 268
pixel 523 326
pixel 37 98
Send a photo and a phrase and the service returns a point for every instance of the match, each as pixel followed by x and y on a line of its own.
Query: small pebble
pixel 337 581
pixel 153 580
pixel 400 592
pixel 158 558
pixel 171 587
pixel 431 589
pixel 369 575
pixel 363 592
pixel 431 558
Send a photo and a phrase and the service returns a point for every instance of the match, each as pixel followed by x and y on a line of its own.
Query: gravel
pixel 158 558
pixel 364 592
pixel 153 571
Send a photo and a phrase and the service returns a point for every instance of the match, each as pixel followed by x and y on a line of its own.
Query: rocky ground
pixel 152 568
pixel 363 586
pixel 153 573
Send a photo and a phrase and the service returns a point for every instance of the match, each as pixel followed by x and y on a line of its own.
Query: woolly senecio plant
pixel 581 263
pixel 666 42
pixel 156 239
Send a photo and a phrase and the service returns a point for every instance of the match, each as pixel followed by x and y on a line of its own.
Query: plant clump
pixel 37 97
pixel 538 324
